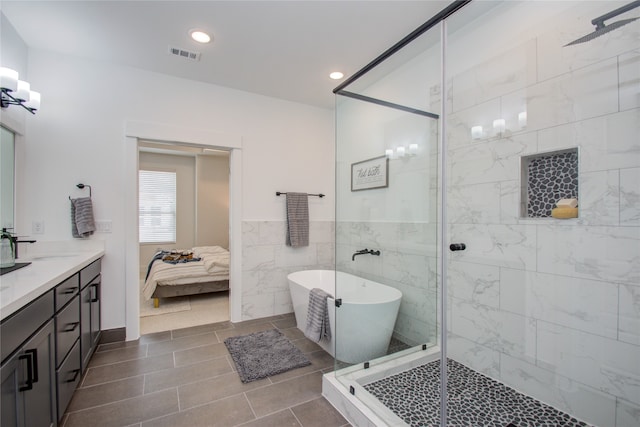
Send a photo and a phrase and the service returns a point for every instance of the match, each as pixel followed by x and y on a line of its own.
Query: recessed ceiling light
pixel 336 75
pixel 200 36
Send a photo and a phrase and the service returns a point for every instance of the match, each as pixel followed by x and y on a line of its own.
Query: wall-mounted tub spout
pixel 364 252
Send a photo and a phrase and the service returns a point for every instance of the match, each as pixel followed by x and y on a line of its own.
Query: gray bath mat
pixel 262 354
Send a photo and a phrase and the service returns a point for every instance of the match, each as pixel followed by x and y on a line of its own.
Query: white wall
pixel 78 136
pixel 212 206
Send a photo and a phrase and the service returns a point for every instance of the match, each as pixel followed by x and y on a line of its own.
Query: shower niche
pixel 546 179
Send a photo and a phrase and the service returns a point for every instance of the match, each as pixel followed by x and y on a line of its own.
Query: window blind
pixel 157 206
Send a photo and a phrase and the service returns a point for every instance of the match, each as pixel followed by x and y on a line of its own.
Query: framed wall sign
pixel 368 174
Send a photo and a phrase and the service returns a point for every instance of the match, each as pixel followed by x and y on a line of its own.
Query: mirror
pixel 7 162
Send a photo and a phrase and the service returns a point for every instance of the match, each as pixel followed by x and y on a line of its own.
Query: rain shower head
pixel 601 28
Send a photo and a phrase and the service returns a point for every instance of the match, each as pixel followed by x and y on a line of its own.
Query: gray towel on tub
pixel 297 220
pixel 82 223
pixel 317 326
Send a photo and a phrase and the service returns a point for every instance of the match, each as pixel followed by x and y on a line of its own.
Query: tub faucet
pixel 364 252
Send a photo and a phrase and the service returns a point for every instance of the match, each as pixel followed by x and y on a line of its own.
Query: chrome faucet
pixel 364 252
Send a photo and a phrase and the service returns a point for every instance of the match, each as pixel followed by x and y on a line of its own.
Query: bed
pixel 200 270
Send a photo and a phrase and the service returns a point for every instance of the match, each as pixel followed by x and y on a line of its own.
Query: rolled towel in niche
pixel 567 203
pixel 564 212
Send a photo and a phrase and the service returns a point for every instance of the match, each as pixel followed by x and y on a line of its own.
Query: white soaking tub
pixel 365 320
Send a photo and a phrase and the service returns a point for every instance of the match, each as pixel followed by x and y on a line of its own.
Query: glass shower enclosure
pixel 488 169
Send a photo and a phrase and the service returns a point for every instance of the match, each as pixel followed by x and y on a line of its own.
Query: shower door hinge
pixel 338 302
pixel 366 365
pixel 352 390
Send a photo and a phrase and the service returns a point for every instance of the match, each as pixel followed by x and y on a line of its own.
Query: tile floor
pixel 186 377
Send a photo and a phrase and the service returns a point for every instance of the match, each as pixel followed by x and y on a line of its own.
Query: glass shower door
pixel 387 132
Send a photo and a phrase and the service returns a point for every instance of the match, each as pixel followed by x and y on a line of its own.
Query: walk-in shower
pixel 482 121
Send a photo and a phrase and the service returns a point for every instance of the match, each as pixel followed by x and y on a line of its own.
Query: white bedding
pixel 213 266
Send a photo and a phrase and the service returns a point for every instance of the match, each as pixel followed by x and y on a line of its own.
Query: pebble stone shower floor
pixel 474 400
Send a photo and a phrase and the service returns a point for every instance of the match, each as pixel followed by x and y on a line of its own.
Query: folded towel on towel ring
pixel 82 222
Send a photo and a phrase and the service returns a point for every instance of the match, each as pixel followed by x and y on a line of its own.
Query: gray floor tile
pixel 155 337
pixel 117 345
pixel 131 368
pixel 126 412
pixel 319 360
pixel 285 394
pixel 101 394
pixel 200 354
pixel 285 323
pixel 185 374
pixel 306 345
pixel 283 418
pixel 243 330
pixel 119 355
pixel 182 343
pixel 293 333
pixel 203 329
pixel 221 413
pixel 318 413
pixel 222 386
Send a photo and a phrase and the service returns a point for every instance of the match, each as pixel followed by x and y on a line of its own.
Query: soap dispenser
pixel 7 251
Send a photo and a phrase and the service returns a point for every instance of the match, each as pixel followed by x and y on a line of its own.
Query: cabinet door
pixel 95 312
pixel 85 325
pixel 12 403
pixel 28 387
pixel 40 399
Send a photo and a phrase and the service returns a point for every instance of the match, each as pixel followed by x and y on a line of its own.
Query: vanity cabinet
pixel 45 349
pixel 28 374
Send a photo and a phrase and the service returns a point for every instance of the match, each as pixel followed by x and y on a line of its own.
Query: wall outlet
pixel 37 227
pixel 103 226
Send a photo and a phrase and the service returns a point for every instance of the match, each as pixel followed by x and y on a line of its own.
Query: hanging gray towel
pixel 82 223
pixel 318 326
pixel 297 220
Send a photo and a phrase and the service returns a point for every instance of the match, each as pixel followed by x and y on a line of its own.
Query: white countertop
pixel 51 263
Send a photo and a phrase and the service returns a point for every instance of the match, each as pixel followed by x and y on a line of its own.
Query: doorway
pixel 182 137
pixel 183 212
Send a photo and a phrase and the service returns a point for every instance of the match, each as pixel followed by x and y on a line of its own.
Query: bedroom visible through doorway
pixel 183 216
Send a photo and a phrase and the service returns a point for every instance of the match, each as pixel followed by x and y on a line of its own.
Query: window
pixel 157 206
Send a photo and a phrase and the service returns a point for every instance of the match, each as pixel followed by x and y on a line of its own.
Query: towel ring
pixel 81 186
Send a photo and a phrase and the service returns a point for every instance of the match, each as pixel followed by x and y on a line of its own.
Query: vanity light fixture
pixel 413 149
pixel 389 153
pixel 499 126
pixel 17 92
pixel 200 36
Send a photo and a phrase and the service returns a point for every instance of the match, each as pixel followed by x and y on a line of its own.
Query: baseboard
pixel 113 335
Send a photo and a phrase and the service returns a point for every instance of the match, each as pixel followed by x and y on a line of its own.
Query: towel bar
pixel 278 193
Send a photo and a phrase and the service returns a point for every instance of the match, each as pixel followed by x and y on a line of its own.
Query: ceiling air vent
pixel 194 56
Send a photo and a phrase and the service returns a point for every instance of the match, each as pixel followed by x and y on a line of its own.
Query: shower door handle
pixel 457 247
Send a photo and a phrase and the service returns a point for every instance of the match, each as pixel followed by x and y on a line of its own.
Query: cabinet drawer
pixel 88 273
pixel 68 377
pixel 16 329
pixel 67 329
pixel 66 290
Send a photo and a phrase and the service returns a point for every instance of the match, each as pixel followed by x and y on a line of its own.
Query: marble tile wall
pixel 407 262
pixel 550 307
pixel 266 262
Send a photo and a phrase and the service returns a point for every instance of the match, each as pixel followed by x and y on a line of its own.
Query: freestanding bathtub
pixel 362 326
